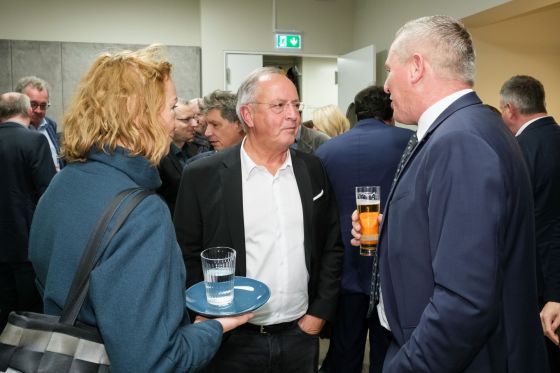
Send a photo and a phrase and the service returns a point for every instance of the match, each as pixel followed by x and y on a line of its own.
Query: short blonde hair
pixel 118 102
pixel 330 120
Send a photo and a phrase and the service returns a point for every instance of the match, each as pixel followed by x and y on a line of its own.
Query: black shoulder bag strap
pixel 93 252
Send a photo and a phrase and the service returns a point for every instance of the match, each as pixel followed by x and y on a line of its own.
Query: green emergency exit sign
pixel 288 41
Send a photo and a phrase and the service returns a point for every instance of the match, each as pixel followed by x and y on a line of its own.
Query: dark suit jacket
pixel 51 128
pixel 310 139
pixel 540 143
pixel 368 154
pixel 209 212
pixel 457 252
pixel 170 170
pixel 27 168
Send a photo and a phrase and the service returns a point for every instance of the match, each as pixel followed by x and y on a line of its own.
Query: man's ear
pixel 513 111
pixel 247 115
pixel 416 67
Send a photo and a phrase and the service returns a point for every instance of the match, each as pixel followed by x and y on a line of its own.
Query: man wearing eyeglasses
pixel 275 207
pixel 37 90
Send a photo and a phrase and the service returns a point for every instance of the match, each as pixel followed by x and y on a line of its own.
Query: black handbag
pixel 34 342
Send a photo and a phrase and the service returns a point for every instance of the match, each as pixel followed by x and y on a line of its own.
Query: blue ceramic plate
pixel 248 295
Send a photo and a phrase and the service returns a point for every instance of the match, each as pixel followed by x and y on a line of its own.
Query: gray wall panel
pixel 63 64
pixel 77 58
pixel 5 66
pixel 186 71
pixel 43 59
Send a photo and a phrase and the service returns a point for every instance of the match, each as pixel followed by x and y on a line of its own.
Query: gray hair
pixel 182 102
pixel 525 93
pixel 246 91
pixel 224 101
pixel 13 104
pixel 33 81
pixel 449 45
pixel 196 101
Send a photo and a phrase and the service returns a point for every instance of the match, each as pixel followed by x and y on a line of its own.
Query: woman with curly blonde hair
pixel 116 130
pixel 330 120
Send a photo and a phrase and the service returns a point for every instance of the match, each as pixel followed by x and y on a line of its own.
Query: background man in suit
pixel 456 246
pixel 223 127
pixel 308 140
pixel 275 207
pixel 200 140
pixel 38 92
pixel 368 154
pixel 522 101
pixel 27 169
pixel 180 150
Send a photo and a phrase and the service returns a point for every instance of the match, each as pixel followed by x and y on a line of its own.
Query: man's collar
pixel 248 165
pixel 430 115
pixel 41 125
pixel 175 149
pixel 527 124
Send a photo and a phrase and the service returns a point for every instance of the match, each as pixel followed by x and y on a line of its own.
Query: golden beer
pixel 368 212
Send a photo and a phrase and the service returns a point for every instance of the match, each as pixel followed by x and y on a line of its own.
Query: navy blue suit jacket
pixel 540 143
pixel 51 128
pixel 457 252
pixel 368 154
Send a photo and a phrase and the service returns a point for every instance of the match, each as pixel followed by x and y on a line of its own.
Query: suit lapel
pixel 464 101
pixel 232 194
pixel 303 180
pixel 52 133
pixel 304 143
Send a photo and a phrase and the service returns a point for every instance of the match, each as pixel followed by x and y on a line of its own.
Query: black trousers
pixel 348 341
pixel 17 290
pixel 249 351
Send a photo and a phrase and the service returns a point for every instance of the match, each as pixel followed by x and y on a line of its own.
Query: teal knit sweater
pixel 136 295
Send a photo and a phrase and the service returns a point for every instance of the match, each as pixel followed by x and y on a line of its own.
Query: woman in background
pixel 116 130
pixel 330 120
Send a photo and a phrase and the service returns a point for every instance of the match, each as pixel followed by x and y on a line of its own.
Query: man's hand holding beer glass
pixel 357 228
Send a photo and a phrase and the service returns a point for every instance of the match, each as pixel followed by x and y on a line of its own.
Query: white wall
pixel 506 49
pixel 376 21
pixel 172 22
pixel 331 27
pixel 318 86
pixel 247 25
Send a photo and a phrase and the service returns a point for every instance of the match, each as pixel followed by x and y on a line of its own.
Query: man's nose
pixel 292 110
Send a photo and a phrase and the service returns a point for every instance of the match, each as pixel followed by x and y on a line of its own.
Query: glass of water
pixel 218 267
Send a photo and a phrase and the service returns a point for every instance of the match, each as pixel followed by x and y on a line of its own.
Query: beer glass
pixel 368 202
pixel 218 267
